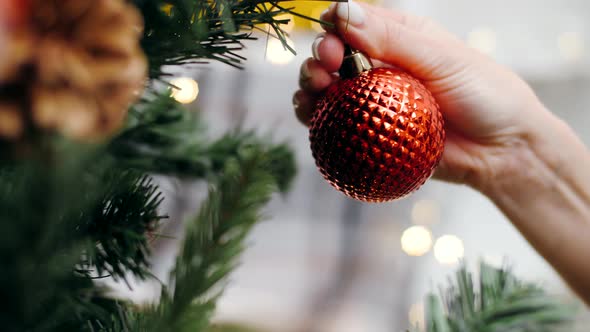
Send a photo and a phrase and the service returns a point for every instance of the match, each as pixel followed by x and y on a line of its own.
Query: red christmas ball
pixel 378 135
pixel 14 13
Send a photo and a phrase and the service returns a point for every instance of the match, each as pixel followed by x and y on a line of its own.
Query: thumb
pixel 413 43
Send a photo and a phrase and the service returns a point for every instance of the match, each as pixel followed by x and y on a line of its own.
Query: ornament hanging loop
pixel 354 63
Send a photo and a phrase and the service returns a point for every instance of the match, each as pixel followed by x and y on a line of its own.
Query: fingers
pixel 328 49
pixel 410 42
pixel 313 77
pixel 303 104
pixel 388 36
pixel 316 74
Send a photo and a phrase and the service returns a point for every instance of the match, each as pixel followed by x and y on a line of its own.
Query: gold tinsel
pixel 74 67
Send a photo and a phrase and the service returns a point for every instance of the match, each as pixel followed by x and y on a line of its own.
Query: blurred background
pixel 323 262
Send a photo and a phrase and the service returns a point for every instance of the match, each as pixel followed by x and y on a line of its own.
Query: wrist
pixel 529 162
pixel 522 175
pixel 547 165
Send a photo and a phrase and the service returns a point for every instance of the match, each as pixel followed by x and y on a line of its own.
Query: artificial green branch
pixel 72 213
pixel 163 137
pixel 212 244
pixel 40 211
pixel 499 302
pixel 121 223
pixel 180 32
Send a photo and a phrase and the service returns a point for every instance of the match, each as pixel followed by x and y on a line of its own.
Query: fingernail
pixel 350 12
pixel 295 101
pixel 314 46
pixel 304 72
pixel 304 75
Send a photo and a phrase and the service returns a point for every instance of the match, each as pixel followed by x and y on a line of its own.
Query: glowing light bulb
pixel 278 54
pixel 482 39
pixel 448 249
pixel 425 212
pixel 416 241
pixel 185 90
pixel 571 46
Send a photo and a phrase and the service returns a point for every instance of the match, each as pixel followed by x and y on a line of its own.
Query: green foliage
pixel 499 302
pixel 127 211
pixel 95 208
pixel 190 32
pixel 162 137
pixel 72 213
pixel 48 214
pixel 214 240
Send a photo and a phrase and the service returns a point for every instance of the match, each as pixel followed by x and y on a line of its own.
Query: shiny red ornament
pixel 378 135
pixel 14 13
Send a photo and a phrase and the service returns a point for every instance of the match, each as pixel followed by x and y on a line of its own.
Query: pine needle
pixel 191 32
pixel 499 302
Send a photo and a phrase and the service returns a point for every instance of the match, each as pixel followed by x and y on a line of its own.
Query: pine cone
pixel 74 67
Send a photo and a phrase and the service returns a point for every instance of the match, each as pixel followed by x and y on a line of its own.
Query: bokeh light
pixel 277 53
pixel 185 90
pixel 416 241
pixel 448 249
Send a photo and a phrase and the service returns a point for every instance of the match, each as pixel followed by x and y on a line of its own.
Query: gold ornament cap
pixel 354 63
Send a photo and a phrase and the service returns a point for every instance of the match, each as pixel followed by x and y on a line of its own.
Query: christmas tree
pixel 87 117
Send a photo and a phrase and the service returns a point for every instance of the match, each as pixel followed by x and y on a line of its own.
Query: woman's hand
pixel 500 138
pixel 489 111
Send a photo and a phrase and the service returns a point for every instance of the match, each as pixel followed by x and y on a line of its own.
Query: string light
pixel 448 249
pixel 185 90
pixel 278 54
pixel 416 241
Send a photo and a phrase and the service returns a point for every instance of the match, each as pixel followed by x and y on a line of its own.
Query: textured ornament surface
pixel 377 136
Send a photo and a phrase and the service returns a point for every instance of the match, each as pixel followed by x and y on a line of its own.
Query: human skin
pixel 501 140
